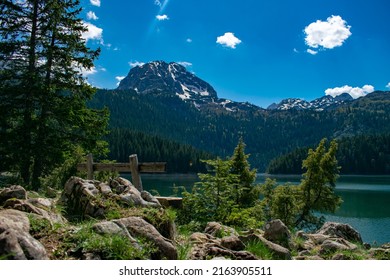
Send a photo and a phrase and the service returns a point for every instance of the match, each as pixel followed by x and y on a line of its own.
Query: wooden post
pixel 89 167
pixel 136 178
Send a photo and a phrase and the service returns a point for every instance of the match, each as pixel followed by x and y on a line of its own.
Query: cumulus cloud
pixel 162 17
pixel 327 34
pixel 228 40
pixel 313 52
pixel 135 64
pixel 95 3
pixel 388 85
pixel 355 92
pixel 185 63
pixel 189 40
pixel 92 15
pixel 119 79
pixel 93 32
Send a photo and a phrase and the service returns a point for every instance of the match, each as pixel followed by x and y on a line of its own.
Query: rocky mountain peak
pixel 171 78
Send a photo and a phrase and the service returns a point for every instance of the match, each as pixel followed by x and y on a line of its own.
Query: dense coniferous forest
pixel 363 154
pixel 180 158
pixel 267 133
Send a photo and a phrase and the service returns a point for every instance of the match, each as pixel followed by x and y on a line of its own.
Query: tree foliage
pixel 299 206
pixel 319 182
pixel 245 191
pixel 42 90
pixel 224 194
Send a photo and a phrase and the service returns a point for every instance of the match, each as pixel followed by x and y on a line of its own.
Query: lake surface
pixel 366 205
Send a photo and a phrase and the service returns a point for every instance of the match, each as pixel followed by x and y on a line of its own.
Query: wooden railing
pixel 133 167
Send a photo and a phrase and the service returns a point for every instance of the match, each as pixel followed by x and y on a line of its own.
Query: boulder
pixel 138 227
pixel 233 243
pixel 218 230
pixel 205 246
pixel 149 198
pixel 331 246
pixel 43 203
pixel 17 192
pixel 36 206
pixel 15 241
pixel 79 196
pixel 277 232
pixel 277 251
pixel 343 231
pixel 88 197
pixel 380 253
pixel 111 228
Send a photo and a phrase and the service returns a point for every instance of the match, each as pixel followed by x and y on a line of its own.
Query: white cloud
pixel 185 63
pixel 327 34
pixel 119 79
pixel 92 15
pixel 135 64
pixel 93 32
pixel 229 40
pixel 88 72
pixel 162 17
pixel 355 92
pixel 95 3
pixel 157 3
pixel 295 50
pixel 313 52
pixel 388 85
pixel 189 40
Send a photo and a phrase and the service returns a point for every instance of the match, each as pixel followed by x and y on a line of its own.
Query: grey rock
pixel 149 198
pixel 15 241
pixel 277 251
pixel 332 246
pixel 233 243
pixel 216 229
pixel 15 191
pixel 277 232
pixel 343 231
pixel 206 246
pixel 138 227
pixel 86 197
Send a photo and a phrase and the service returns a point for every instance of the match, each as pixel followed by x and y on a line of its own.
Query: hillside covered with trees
pixel 363 154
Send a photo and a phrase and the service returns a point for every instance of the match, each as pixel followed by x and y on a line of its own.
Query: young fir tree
pixel 246 193
pixel 318 184
pixel 42 54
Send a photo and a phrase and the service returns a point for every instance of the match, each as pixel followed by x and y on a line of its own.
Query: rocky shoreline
pixel 94 220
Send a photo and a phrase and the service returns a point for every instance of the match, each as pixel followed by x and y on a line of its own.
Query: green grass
pixel 109 247
pixel 260 250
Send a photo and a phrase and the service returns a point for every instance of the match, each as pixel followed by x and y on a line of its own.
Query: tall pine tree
pixel 42 54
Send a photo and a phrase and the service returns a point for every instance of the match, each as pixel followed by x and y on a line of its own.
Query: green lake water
pixel 366 204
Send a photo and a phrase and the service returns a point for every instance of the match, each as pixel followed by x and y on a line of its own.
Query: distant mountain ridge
pixel 319 104
pixel 160 77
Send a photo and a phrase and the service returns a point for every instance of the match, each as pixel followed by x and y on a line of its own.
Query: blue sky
pixel 249 50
